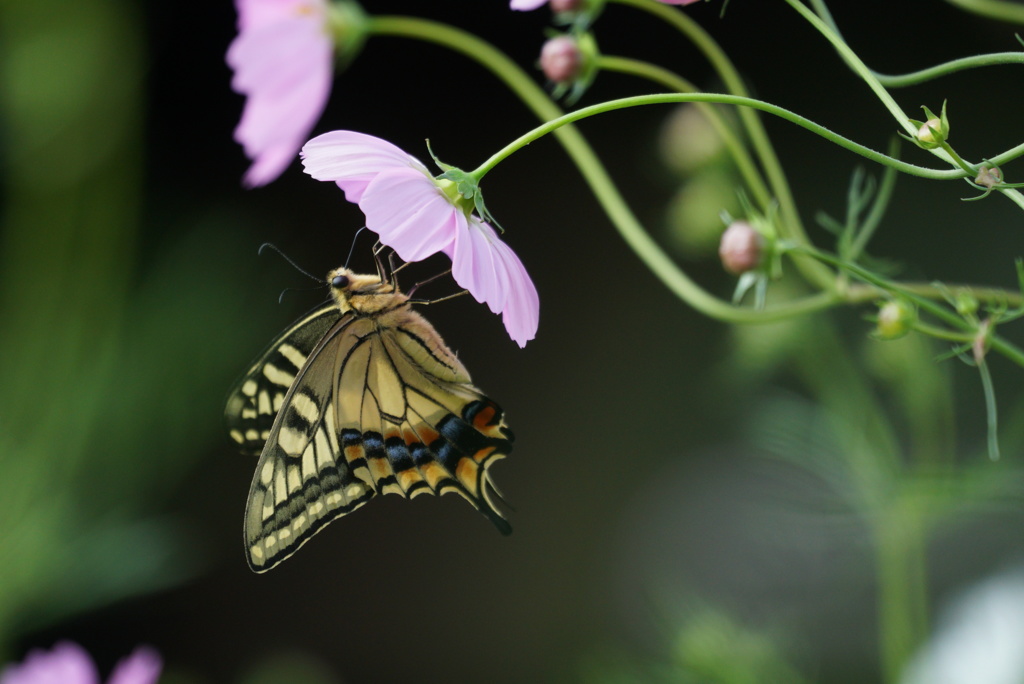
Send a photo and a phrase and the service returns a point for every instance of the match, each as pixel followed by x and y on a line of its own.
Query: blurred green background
pixel 693 503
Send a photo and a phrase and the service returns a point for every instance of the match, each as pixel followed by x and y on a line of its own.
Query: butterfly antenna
pixel 268 245
pixel 352 249
pixel 280 297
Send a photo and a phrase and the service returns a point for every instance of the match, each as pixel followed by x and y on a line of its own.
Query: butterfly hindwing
pixel 380 406
pixel 255 401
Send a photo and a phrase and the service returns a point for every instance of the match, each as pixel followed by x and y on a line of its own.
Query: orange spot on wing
pixel 484 418
pixel 354 453
pixel 407 478
pixel 466 472
pixel 379 468
pixel 425 434
pixel 433 473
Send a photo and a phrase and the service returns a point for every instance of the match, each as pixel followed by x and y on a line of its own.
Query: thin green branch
pixel 594 173
pixel 993 9
pixel 881 203
pixel 992 417
pixel 950 67
pixel 791 226
pixel 720 98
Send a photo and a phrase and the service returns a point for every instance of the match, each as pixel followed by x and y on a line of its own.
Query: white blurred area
pixel 979 637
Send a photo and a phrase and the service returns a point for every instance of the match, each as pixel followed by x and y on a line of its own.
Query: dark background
pixel 636 498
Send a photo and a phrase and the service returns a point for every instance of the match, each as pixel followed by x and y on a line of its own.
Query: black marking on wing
pixel 253 403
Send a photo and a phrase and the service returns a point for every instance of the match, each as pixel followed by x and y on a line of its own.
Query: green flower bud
pixel 895 319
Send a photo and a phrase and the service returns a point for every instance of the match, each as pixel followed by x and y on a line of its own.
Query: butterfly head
pixel 362 293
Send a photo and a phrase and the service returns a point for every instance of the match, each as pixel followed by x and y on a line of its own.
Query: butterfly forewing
pixel 256 399
pixel 380 405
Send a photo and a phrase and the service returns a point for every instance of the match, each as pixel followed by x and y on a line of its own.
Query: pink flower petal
pixel 527 5
pixel 67 663
pixel 282 62
pixel 353 159
pixel 473 265
pixel 522 308
pixel 141 667
pixel 409 213
pixel 492 273
pixel 256 13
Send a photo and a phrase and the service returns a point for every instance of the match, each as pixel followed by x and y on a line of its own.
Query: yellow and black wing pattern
pixel 256 399
pixel 378 404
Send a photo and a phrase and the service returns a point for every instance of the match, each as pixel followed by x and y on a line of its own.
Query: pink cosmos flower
pixel 413 213
pixel 68 663
pixel 282 59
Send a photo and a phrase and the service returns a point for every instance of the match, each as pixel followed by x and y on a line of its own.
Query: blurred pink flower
pixel 527 5
pixel 282 59
pixel 414 214
pixel 68 663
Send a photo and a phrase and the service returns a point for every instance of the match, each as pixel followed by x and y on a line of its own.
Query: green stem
pixel 950 67
pixel 792 226
pixel 669 98
pixel 999 344
pixel 916 77
pixel 957 159
pixel 993 9
pixel 668 79
pixel 902 597
pixel 990 410
pixel 594 172
pixel 942 333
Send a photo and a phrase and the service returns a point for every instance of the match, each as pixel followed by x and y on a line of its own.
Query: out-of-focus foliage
pixel 709 648
pixel 112 368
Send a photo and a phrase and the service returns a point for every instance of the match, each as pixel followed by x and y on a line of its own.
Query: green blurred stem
pixel 942 333
pixel 922 295
pixel 878 207
pixel 903 580
pixel 792 226
pixel 993 9
pixel 593 171
pixel 990 410
pixel 673 81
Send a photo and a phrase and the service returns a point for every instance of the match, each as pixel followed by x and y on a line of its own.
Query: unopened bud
pixel 895 319
pixel 930 132
pixel 558 6
pixel 741 248
pixel 561 59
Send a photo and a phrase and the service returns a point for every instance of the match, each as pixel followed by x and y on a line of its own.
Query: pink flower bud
pixel 558 6
pixel 740 248
pixel 561 59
